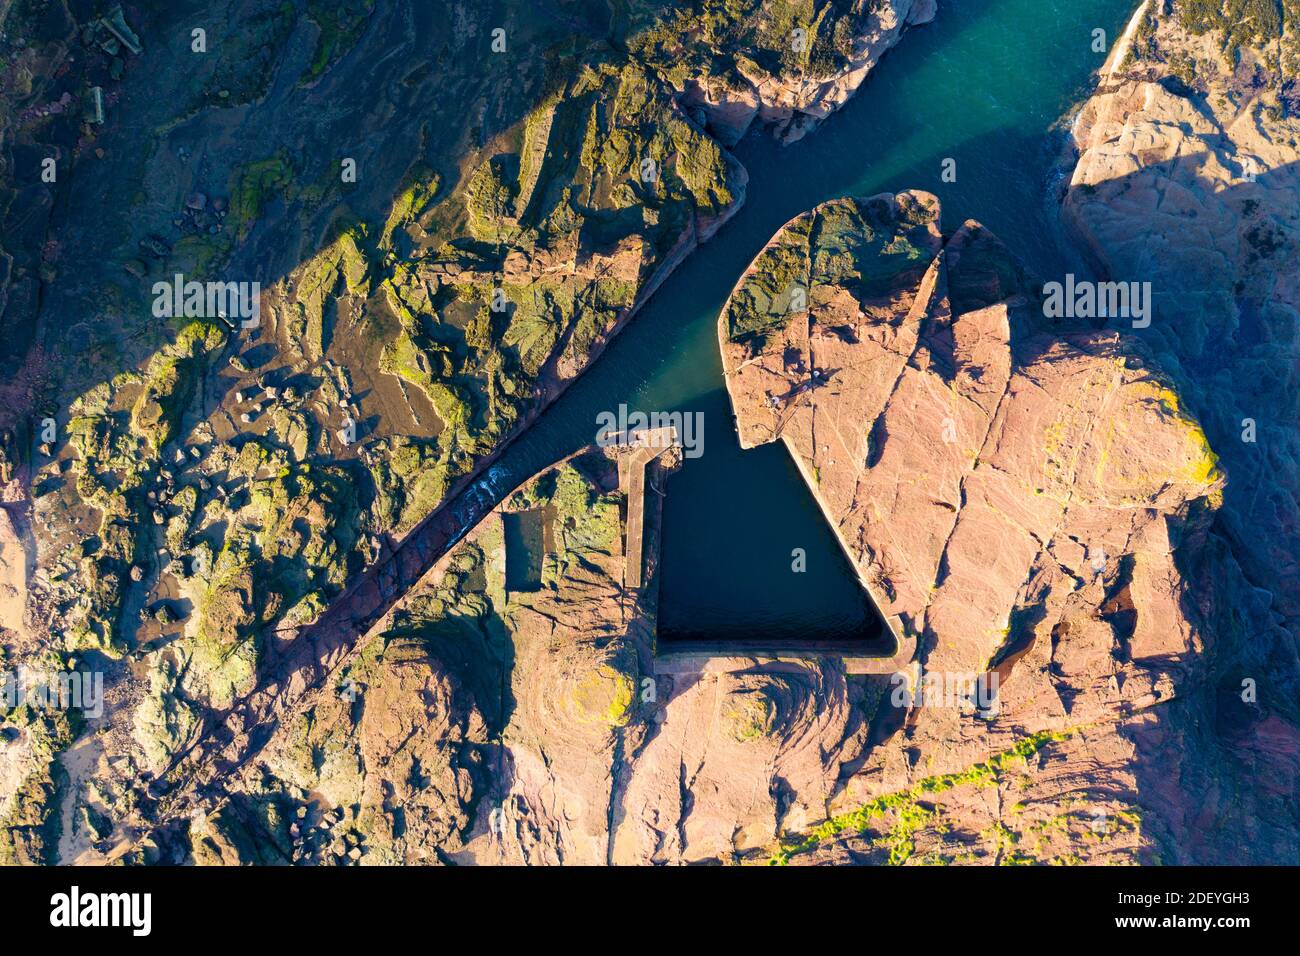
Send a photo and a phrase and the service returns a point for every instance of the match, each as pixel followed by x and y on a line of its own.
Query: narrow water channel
pixel 983 85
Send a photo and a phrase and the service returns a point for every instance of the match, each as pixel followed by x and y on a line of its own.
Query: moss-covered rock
pixel 32 740
pixel 169 382
pixel 163 719
pixel 255 184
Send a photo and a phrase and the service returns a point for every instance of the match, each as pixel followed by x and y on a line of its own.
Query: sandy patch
pixel 13 577
pixel 82 761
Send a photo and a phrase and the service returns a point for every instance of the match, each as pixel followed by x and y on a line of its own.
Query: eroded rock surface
pixel 507 710
pixel 1027 500
pixel 1183 174
pixel 1186 178
pixel 786 65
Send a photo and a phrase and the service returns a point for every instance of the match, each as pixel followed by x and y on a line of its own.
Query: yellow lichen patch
pixel 604 696
pixel 1153 445
pixel 1200 465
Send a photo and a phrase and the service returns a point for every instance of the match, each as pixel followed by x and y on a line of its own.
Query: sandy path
pixel 1121 48
pixel 13 577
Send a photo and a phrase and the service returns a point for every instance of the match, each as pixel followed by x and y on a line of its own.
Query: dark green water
pixel 982 84
pixel 525 549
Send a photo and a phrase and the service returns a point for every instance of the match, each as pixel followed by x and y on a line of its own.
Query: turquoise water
pixel 983 84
